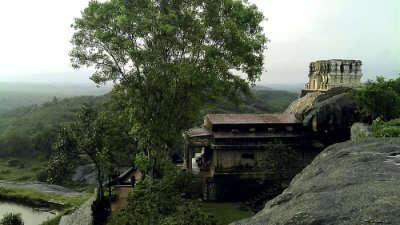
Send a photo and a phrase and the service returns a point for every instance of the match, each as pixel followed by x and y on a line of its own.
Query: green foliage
pixel 63 159
pixel 36 198
pixel 14 163
pixel 168 58
pixel 261 100
pixel 31 131
pixel 226 212
pixel 12 219
pixel 380 98
pixel 162 202
pixel 386 129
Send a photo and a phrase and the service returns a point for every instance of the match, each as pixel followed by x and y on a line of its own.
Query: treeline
pixel 32 130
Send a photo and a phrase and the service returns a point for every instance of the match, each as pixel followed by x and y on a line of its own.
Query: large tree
pixel 168 57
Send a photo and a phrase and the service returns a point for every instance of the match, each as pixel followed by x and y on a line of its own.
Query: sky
pixel 35 38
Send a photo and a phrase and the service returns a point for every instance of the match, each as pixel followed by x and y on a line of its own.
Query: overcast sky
pixel 34 38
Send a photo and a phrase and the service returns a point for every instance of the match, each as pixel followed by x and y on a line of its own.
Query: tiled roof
pixel 252 118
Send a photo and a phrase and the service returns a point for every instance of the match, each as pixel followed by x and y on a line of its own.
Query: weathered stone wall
pixel 81 216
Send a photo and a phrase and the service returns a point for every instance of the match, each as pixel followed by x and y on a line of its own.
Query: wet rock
pixel 354 182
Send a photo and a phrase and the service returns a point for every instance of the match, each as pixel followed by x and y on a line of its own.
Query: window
pixel 252 130
pixel 235 131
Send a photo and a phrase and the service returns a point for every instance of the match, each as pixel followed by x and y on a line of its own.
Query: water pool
pixel 31 216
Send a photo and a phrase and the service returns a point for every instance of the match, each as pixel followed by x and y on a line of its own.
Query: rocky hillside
pixel 348 183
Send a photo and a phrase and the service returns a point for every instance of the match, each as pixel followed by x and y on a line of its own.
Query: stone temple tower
pixel 327 74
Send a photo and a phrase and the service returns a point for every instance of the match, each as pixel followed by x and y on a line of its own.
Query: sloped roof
pixel 252 118
pixel 198 132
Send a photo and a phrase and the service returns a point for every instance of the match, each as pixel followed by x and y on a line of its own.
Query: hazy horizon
pixel 35 41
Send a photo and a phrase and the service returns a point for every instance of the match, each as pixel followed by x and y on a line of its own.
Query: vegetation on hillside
pixel 32 130
pixel 380 98
pixel 379 104
pixel 17 95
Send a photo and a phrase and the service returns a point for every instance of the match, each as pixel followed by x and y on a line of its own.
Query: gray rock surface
pixel 360 131
pixel 350 183
pixel 81 216
pixel 85 174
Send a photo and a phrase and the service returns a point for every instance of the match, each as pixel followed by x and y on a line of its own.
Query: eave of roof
pixel 276 118
pixel 198 132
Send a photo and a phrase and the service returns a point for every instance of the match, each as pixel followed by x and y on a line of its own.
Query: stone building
pixel 327 74
pixel 233 151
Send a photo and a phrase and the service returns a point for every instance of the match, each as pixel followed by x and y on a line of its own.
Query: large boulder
pixel 326 111
pixel 354 182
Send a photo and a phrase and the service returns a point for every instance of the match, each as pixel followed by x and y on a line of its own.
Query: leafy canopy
pixel 380 98
pixel 169 56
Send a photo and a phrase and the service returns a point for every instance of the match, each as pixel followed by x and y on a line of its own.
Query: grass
pixel 33 197
pixel 25 171
pixel 227 212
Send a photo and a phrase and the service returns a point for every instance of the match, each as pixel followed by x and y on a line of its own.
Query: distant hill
pixel 32 128
pixel 15 95
pixel 290 87
pixel 263 100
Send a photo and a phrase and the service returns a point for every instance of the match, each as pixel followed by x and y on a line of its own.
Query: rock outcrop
pixel 325 111
pixel 81 216
pixel 354 182
pixel 360 131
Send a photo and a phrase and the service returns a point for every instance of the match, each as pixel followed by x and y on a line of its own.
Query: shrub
pixel 12 219
pixel 14 163
pixel 386 129
pixel 161 202
pixel 380 98
pixel 42 176
pixel 6 171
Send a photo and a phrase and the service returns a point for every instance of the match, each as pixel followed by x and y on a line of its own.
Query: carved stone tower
pixel 327 74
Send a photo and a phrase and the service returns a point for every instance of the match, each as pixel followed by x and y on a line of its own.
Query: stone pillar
pixel 187 155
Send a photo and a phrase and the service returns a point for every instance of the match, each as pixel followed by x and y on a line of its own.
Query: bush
pixel 386 129
pixel 12 219
pixel 42 176
pixel 380 98
pixel 14 163
pixel 162 202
